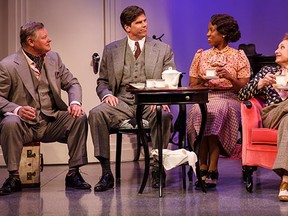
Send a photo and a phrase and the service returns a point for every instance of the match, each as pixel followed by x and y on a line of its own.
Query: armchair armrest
pixel 248 104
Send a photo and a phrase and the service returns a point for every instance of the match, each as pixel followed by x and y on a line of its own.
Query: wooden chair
pixel 259 145
pixel 128 127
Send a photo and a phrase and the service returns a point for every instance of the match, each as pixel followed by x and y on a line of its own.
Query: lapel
pixel 118 56
pixel 24 72
pixel 51 71
pixel 49 65
pixel 151 54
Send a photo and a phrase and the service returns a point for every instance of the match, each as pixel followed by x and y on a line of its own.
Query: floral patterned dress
pixel 223 109
pixel 268 93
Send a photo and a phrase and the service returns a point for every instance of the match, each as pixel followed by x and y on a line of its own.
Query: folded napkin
pixel 173 158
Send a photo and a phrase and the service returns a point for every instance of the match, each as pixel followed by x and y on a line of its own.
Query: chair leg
pixel 118 156
pixel 138 151
pixel 247 172
pixel 190 174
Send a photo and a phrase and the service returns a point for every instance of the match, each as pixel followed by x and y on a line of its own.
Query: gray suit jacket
pixel 158 57
pixel 16 84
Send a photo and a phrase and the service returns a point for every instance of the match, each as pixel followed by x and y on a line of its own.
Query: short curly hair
pixel 227 26
pixel 286 36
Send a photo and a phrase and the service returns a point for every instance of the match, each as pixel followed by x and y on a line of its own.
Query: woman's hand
pixel 268 79
pixel 222 72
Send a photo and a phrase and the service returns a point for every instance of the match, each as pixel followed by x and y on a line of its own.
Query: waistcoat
pixel 133 71
pixel 45 102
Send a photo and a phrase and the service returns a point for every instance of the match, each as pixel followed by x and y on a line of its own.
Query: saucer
pixel 210 77
pixel 137 85
pixel 280 87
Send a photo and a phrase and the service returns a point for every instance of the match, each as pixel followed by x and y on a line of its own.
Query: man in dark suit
pixel 135 58
pixel 31 108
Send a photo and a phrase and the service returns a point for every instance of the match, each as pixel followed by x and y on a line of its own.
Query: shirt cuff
pixel 76 102
pixel 14 112
pixel 105 96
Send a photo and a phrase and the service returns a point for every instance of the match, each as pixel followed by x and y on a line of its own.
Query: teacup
pixel 150 83
pixel 159 83
pixel 281 80
pixel 210 72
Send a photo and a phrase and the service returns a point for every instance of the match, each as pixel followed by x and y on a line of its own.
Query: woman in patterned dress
pixel 274 115
pixel 232 72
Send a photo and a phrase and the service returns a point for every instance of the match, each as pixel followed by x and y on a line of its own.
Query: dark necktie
pixel 38 61
pixel 138 50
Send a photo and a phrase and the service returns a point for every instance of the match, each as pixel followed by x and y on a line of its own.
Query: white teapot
pixel 171 77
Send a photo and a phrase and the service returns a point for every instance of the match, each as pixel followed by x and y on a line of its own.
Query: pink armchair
pixel 259 145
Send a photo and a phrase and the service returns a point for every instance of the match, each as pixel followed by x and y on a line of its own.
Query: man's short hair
pixel 129 15
pixel 28 30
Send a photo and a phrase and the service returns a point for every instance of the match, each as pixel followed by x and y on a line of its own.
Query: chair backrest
pixel 249 49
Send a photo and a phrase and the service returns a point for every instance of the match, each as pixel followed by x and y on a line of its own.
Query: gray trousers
pixel 104 116
pixel 14 133
pixel 276 117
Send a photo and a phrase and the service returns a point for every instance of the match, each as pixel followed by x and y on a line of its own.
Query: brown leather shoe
pixel 283 192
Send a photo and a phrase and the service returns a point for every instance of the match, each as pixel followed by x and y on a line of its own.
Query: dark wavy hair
pixel 286 36
pixel 227 26
pixel 129 15
pixel 28 30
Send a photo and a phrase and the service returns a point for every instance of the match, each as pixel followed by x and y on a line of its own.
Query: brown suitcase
pixel 29 169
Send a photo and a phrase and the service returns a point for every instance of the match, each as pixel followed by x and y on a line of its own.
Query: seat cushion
pixel 263 136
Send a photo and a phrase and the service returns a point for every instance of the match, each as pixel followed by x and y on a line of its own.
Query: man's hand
pixel 164 107
pixel 75 110
pixel 111 99
pixel 27 113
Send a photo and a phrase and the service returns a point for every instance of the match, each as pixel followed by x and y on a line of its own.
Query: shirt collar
pixel 131 44
pixel 30 62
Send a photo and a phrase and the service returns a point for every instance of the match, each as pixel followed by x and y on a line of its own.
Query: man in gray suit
pixel 122 63
pixel 31 108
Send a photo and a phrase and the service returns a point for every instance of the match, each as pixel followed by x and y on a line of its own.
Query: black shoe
pixel 12 184
pixel 212 179
pixel 76 181
pixel 156 176
pixel 203 175
pixel 106 182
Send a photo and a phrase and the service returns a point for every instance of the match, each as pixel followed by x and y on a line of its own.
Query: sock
pixel 14 173
pixel 105 164
pixel 73 170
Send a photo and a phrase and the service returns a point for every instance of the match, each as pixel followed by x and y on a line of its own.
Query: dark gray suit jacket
pixel 158 57
pixel 16 84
